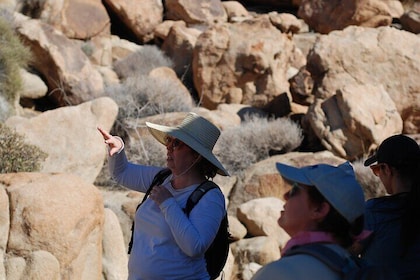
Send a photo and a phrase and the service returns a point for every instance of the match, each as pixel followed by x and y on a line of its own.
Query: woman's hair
pixel 335 223
pixel 409 176
pixel 206 168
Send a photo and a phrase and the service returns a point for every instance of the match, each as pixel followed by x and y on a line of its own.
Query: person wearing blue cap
pixel 325 206
pixel 395 219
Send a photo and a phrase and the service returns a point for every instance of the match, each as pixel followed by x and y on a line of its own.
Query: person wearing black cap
pixel 395 219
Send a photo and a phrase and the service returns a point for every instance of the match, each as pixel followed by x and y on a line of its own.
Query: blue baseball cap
pixel 337 184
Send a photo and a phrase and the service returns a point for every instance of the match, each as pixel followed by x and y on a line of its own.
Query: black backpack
pixel 349 268
pixel 216 255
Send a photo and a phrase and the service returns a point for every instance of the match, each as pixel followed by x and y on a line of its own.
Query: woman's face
pixel 298 211
pixel 384 172
pixel 180 157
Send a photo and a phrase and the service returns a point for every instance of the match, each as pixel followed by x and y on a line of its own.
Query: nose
pixel 286 196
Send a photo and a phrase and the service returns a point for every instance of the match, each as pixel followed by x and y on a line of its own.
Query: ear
pixel 321 210
pixel 387 169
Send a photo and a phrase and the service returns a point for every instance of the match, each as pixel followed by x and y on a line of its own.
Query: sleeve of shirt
pixel 369 218
pixel 133 176
pixel 195 233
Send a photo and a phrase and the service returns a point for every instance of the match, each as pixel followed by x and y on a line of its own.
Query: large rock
pixel 260 218
pixel 370 57
pixel 351 128
pixel 70 77
pixel 325 16
pixel 59 214
pixel 243 63
pixel 69 136
pixel 179 45
pixel 195 11
pixel 410 20
pixel 114 260
pixel 263 180
pixel 140 17
pixel 261 249
pixel 78 19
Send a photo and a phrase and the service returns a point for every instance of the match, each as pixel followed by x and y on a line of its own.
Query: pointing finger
pixel 105 134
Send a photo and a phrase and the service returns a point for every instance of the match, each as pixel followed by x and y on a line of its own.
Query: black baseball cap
pixel 396 150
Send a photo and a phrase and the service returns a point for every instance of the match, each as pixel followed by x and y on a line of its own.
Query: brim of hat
pixel 293 174
pixel 160 132
pixel 371 160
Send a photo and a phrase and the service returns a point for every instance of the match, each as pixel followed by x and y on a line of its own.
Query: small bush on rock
pixel 143 96
pixel 142 62
pixel 371 185
pixel 255 140
pixel 147 151
pixel 16 155
pixel 13 56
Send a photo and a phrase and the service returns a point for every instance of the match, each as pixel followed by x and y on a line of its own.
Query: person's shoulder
pixel 274 269
pixel 213 189
pixel 389 201
pixel 299 266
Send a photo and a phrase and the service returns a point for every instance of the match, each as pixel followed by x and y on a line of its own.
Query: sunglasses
pixel 173 143
pixel 376 168
pixel 296 188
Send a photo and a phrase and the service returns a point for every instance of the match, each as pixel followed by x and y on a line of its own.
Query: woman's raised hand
pixel 114 143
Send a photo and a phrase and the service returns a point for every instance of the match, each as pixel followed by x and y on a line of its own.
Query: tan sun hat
pixel 195 131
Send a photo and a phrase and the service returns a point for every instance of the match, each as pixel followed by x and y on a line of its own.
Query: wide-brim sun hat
pixel 196 132
pixel 396 150
pixel 337 184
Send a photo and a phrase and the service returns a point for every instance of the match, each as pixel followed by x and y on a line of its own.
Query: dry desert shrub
pixel 254 140
pixel 13 56
pixel 147 151
pixel 371 185
pixel 142 96
pixel 16 155
pixel 142 62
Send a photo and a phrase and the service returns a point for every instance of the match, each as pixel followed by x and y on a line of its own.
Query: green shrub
pixel 16 155
pixel 142 62
pixel 13 56
pixel 254 140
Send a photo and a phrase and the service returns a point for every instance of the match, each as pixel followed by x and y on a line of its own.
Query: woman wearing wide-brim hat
pixel 167 244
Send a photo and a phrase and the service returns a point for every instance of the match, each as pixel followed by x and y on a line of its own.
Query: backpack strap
pixel 157 180
pixel 218 251
pixel 197 194
pixel 341 265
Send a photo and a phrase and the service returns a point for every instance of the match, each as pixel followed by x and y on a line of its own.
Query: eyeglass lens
pixel 376 168
pixel 295 189
pixel 173 142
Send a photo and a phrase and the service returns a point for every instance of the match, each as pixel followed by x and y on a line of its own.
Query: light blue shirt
pixel 168 244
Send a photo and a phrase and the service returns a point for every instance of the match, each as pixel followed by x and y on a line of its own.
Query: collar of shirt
pixel 306 237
